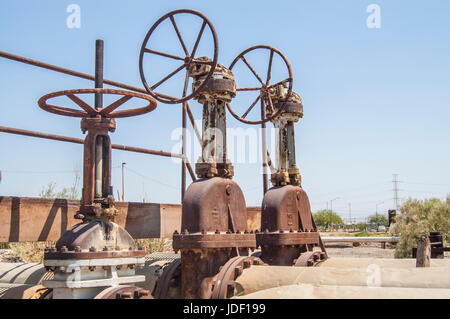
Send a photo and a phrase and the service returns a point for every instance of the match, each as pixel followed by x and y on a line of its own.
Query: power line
pixel 429 184
pixel 151 179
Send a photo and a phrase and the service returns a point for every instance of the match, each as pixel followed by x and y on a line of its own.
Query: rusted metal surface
pixel 224 285
pixel 214 204
pixel 310 259
pixel 169 284
pixel 214 215
pixel 187 60
pixel 214 229
pixel 285 171
pixel 82 242
pixel 88 111
pixel 124 292
pixel 287 225
pixel 266 89
pixel 42 219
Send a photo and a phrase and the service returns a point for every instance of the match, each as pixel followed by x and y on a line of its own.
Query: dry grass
pixel 30 252
pixel 152 245
pixel 33 252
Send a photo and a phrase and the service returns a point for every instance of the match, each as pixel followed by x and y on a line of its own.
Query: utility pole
pixel 350 214
pixel 123 182
pixel 331 203
pixel 395 181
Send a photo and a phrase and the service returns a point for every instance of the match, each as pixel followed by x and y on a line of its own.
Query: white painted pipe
pixel 348 262
pixel 309 291
pixel 258 278
pixel 23 273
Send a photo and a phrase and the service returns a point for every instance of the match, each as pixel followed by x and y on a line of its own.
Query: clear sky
pixel 376 100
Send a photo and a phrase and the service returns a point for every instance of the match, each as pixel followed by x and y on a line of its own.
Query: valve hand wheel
pixel 89 111
pixel 186 61
pixel 266 88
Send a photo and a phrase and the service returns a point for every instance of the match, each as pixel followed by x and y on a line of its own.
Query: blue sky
pixel 376 101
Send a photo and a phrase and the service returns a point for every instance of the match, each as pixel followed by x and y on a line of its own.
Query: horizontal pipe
pixel 308 291
pixel 69 139
pixel 373 276
pixel 358 262
pixel 62 138
pixel 47 66
pixel 360 239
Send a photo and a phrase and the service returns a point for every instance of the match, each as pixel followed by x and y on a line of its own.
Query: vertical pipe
pixel 98 105
pixel 264 149
pixel 291 144
pixel 98 166
pixel 183 152
pixel 123 183
pixel 98 72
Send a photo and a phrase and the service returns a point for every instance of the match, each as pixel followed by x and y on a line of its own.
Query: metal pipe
pixel 98 72
pixel 308 291
pixel 98 106
pixel 360 239
pixel 12 130
pixel 67 71
pixel 98 166
pixel 183 151
pixel 264 149
pixel 277 276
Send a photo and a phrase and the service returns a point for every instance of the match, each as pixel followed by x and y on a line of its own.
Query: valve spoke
pixel 168 76
pixel 82 104
pixel 248 89
pixel 198 38
pixel 269 68
pixel 186 82
pixel 253 71
pixel 251 106
pixel 115 105
pixel 163 54
pixel 278 83
pixel 179 35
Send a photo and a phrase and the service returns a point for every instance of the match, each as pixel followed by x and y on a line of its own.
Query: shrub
pixel 420 218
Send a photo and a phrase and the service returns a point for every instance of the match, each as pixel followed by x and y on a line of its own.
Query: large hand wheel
pixel 266 89
pixel 89 111
pixel 186 61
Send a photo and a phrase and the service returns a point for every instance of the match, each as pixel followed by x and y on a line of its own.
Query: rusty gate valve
pixel 214 229
pixel 97 122
pixel 288 224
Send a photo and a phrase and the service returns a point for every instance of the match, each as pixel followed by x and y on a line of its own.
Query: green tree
pixel 379 219
pixel 420 217
pixel 361 226
pixel 326 217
